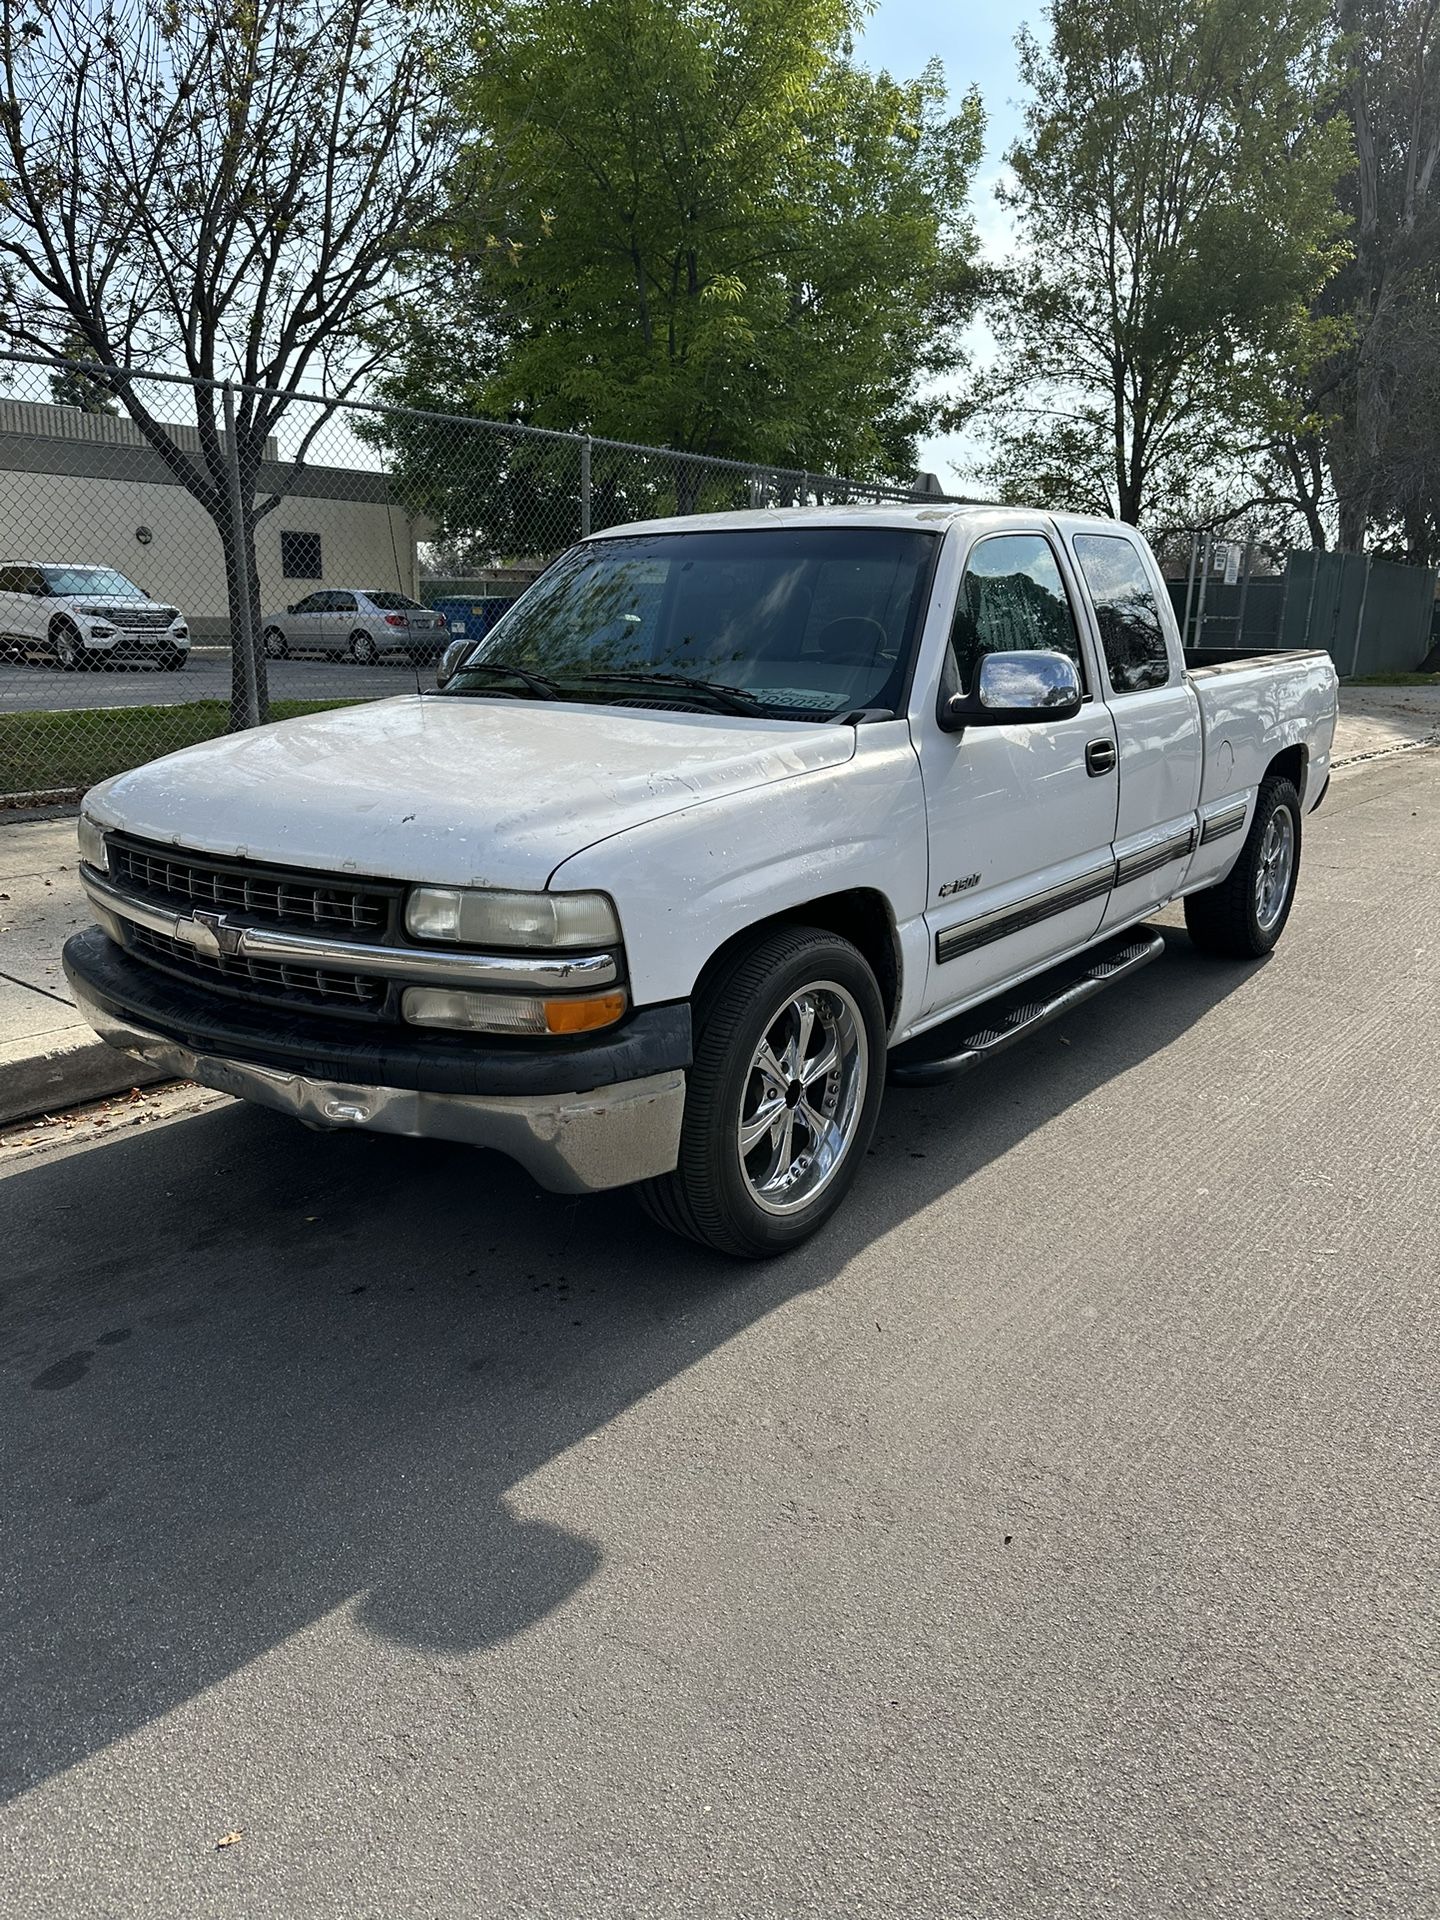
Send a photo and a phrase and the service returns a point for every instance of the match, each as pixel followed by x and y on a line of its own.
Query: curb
pixel 66 1072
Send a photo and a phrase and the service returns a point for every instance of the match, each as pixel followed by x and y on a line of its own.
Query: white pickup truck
pixel 729 816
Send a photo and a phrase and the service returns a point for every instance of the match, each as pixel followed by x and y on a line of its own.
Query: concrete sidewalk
pixel 49 1058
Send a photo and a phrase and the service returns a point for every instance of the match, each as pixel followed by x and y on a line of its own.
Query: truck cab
pixel 727 820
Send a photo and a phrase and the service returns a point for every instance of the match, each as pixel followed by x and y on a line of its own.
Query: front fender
pixel 688 883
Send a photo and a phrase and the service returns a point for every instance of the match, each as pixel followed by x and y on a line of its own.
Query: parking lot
pixel 1054 1535
pixel 26 688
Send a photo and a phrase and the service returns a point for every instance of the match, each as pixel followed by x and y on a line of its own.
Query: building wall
pixel 58 517
pixel 88 488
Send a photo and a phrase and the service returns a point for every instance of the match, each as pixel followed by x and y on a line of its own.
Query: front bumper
pixel 135 640
pixel 578 1118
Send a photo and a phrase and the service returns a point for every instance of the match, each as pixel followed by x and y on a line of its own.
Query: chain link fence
pixel 131 624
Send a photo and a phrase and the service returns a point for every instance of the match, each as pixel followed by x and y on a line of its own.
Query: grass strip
pixel 76 748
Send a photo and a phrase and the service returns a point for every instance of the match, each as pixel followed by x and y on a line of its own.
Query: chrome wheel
pixel 1276 868
pixel 804 1094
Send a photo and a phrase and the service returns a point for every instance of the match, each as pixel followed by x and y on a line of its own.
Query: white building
pixel 88 488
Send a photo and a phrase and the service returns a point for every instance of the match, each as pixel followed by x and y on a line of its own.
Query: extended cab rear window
pixel 1131 632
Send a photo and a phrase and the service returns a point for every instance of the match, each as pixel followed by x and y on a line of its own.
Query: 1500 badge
pixel 959 886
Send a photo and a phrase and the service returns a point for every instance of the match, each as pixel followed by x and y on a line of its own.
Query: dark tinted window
pixel 391 602
pixel 312 603
pixel 300 556
pixel 1130 629
pixel 1012 600
pixel 342 603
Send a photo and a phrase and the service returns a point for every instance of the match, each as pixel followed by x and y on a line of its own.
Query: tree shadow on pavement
pixel 252 1374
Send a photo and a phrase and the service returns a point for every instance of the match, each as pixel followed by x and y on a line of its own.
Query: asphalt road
pixel 40 689
pixel 1056 1536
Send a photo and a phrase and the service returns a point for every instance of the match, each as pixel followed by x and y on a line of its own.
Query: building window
pixel 300 556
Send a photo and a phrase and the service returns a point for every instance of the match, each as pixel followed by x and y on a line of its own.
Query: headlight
pixel 92 844
pixel 497 919
pixel 459 1009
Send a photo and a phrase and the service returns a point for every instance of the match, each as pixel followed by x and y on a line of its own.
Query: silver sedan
pixel 359 622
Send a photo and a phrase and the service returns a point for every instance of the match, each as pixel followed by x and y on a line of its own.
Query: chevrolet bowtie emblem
pixel 210 933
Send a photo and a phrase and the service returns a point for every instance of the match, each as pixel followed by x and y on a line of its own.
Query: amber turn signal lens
pixel 583 1016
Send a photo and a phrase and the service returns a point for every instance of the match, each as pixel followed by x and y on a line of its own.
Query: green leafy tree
pixel 71 386
pixel 1174 197
pixel 1376 394
pixel 703 228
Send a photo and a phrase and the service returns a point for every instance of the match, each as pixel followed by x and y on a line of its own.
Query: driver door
pixel 1021 818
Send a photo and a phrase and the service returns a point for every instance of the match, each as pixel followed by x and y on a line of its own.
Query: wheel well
pixel 1290 765
pixel 860 916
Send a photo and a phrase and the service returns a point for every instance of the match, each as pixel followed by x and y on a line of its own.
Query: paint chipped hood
pixel 458 791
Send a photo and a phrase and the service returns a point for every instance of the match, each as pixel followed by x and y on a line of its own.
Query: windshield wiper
pixel 538 683
pixel 730 699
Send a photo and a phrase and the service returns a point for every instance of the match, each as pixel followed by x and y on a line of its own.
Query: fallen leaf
pixel 229 1839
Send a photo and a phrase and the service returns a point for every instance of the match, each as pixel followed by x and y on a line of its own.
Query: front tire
pixel 363 650
pixel 174 661
pixel 783 1096
pixel 1244 916
pixel 69 648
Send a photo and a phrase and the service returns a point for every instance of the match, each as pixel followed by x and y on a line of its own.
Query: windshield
pixel 90 580
pixel 802 622
pixel 392 602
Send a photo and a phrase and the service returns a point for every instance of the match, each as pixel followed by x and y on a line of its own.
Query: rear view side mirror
pixel 1015 689
pixel 450 659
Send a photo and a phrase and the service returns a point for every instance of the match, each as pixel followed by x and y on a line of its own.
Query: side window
pixel 1012 600
pixel 10 580
pixel 312 603
pixel 342 603
pixel 1130 628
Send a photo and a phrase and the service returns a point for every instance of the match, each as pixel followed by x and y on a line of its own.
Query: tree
pixel 1382 439
pixel 218 190
pixel 70 386
pixel 702 228
pixel 1174 196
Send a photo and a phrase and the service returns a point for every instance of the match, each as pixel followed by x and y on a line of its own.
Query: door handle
pixel 1100 757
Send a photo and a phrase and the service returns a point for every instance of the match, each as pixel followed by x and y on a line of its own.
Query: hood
pixel 460 791
pixel 128 601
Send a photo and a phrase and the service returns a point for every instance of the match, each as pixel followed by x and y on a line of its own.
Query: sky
pixel 976 44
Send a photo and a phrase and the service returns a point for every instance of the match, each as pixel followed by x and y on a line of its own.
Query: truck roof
pixel 933 516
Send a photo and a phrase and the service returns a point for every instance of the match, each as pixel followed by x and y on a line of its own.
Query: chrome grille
pixel 261 979
pixel 139 619
pixel 187 880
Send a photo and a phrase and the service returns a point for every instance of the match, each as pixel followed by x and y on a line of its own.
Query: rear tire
pixel 363 650
pixel 805 1004
pixel 1244 916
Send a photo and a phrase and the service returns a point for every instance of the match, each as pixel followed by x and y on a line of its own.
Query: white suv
pixel 82 615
